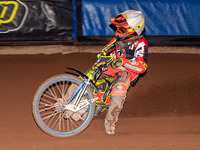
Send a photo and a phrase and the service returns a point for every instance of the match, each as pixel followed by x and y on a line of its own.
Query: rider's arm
pixel 108 48
pixel 139 63
pixel 135 66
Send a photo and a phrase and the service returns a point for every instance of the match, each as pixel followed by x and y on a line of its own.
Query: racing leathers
pixel 132 57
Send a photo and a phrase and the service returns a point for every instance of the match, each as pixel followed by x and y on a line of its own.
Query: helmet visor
pixel 123 30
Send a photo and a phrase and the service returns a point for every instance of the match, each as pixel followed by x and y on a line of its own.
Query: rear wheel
pixel 49 113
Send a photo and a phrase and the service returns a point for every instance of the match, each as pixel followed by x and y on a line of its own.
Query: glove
pixel 117 63
pixel 102 53
pixel 90 74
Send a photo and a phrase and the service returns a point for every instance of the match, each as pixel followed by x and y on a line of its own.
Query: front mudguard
pixel 85 77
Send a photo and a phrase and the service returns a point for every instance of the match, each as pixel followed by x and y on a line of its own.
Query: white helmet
pixel 130 24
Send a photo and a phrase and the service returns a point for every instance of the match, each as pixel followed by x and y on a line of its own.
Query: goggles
pixel 118 20
pixel 124 30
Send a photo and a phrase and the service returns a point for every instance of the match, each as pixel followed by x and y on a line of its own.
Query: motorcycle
pixel 64 105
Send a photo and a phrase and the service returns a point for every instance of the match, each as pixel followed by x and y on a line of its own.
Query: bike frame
pixel 76 98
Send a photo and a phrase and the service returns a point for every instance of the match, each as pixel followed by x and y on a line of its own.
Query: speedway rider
pixel 129 48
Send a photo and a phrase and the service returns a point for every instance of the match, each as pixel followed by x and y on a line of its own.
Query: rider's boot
pixel 114 110
pixel 101 105
pixel 99 109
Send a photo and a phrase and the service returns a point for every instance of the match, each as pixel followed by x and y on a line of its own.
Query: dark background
pixel 75 22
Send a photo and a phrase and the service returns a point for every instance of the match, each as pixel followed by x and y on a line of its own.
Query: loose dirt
pixel 162 111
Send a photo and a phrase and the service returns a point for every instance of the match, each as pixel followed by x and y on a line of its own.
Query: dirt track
pixel 162 111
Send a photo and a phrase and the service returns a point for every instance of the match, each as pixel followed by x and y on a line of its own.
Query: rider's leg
pixel 118 95
pixel 115 108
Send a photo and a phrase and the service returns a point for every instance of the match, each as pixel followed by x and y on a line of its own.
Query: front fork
pixel 80 93
pixel 78 103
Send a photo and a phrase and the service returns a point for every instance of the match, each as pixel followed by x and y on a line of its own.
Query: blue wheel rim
pixel 90 109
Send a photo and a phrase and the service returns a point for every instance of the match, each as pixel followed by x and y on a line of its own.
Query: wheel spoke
pixel 52 114
pixel 68 125
pixel 63 122
pixel 50 120
pixel 65 86
pixel 72 122
pixel 60 90
pixel 45 109
pixel 55 123
pixel 59 122
pixel 49 106
pixel 48 96
pixel 52 94
pixel 45 102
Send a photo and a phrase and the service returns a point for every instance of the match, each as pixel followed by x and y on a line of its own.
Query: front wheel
pixel 48 111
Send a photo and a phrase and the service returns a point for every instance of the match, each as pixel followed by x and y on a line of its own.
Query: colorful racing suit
pixel 114 84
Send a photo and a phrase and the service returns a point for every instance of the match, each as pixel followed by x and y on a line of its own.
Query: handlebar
pixel 102 60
